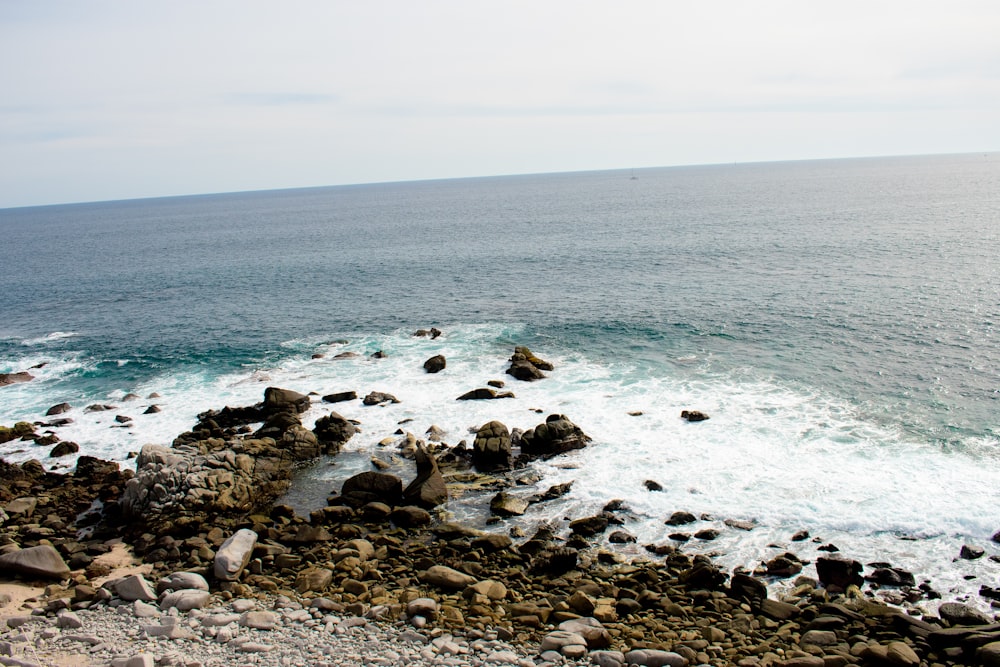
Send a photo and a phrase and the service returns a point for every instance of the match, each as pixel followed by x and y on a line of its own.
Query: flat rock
pixel 182 580
pixel 185 600
pixel 41 561
pixel 446 577
pixel 655 658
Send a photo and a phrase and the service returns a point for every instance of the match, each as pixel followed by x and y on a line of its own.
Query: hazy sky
pixel 120 99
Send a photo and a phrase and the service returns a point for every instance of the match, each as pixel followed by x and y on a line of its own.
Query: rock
pixel 655 658
pixel 891 576
pixel 410 516
pixel 332 431
pixel 234 554
pixel 141 660
pixel 652 485
pixel 428 489
pixel 41 561
pixel 681 519
pixel 340 397
pixel 555 436
pixel 900 653
pixel 621 537
pixel 14 378
pixel 152 410
pixel 493 590
pixel 68 620
pixel 970 552
pixel 282 400
pixel 135 587
pixel 378 398
pixel 523 370
pixel 185 600
pixel 592 630
pixel 989 655
pixel 316 579
pixel 956 613
pixel 819 638
pixel 64 448
pixel 446 577
pixel 435 364
pixel 491 450
pixel 744 587
pixel 367 487
pixel 837 574
pixel 182 581
pixel 259 620
pixel 553 492
pixel 483 394
pixel 58 409
pixel 425 607
pixel 559 639
pixel 607 658
pixel 504 504
pixel 589 526
pixel 693 415
pixel 21 508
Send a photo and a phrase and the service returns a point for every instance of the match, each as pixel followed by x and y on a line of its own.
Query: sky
pixel 117 99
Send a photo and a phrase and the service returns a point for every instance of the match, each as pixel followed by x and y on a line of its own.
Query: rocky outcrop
pixel 556 435
pixel 333 431
pixel 15 378
pixel 491 450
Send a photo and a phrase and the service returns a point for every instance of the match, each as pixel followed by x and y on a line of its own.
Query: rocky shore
pixel 218 573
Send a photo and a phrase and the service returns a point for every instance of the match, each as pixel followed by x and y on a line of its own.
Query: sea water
pixel 836 320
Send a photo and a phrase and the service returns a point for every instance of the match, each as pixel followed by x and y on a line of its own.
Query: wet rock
pixel 693 415
pixel 555 436
pixel 681 518
pixel 504 504
pixel 446 577
pixel 367 487
pixel 970 552
pixel 332 431
pixel 152 410
pixel 491 450
pixel 956 613
pixel 589 526
pixel 553 492
pixel 435 364
pixel 282 400
pixel 652 485
pixel 621 537
pixel 484 393
pixel 837 574
pixel 58 409
pixel 64 448
pixel 432 333
pixel 15 378
pixel 410 516
pixel 340 397
pixel 379 398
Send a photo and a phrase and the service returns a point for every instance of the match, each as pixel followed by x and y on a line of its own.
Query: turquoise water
pixel 836 318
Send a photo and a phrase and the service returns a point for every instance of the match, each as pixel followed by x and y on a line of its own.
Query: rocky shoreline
pixel 380 576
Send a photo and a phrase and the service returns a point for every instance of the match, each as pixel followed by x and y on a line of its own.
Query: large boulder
pixel 435 364
pixel 428 489
pixel 484 393
pixel 837 574
pixel 282 400
pixel 234 554
pixel 555 436
pixel 14 378
pixel 333 431
pixel 491 450
pixel 367 487
pixel 41 561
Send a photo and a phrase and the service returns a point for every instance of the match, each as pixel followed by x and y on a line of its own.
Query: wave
pixel 49 338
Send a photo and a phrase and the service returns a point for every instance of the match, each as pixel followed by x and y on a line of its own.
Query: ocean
pixel 836 319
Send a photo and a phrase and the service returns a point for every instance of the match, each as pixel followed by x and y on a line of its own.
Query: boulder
pixel 332 431
pixel 491 450
pixel 185 600
pixel 409 516
pixel 282 400
pixel 428 489
pixel 446 577
pixel 504 504
pixel 234 554
pixel 484 394
pixel 58 409
pixel 681 518
pixel 693 415
pixel 64 448
pixel 589 526
pixel 135 587
pixel 555 436
pixel 179 581
pixel 14 378
pixel 378 398
pixel 837 574
pixel 41 561
pixel 340 397
pixel 367 487
pixel 590 629
pixel 424 333
pixel 435 364
pixel 956 613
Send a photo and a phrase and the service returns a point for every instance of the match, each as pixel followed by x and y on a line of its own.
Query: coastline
pixel 388 561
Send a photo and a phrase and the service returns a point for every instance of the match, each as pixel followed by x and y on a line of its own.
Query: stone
pixel 316 579
pixel 340 397
pixel 182 580
pixel 14 378
pixel 64 448
pixel 589 526
pixel 372 486
pixel 427 489
pixel 900 653
pixel 837 574
pixel 693 415
pixel 607 658
pixel 819 638
pixel 259 620
pixel 58 409
pixel 558 639
pixel 378 398
pixel 435 364
pixel 592 630
pixel 956 613
pixel 280 400
pixel 41 561
pixel 68 620
pixel 135 587
pixel 410 516
pixel 141 660
pixel 491 450
pixel 681 518
pixel 446 577
pixel 21 508
pixel 969 552
pixel 555 436
pixel 988 655
pixel 494 590
pixel 505 505
pixel 185 600
pixel 332 431
pixel 655 658
pixel 425 607
pixel 234 554
pixel 484 394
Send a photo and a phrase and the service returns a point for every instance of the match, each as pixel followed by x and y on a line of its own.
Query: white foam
pixel 49 338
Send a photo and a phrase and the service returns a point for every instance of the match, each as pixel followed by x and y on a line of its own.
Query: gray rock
pixel 185 600
pixel 134 587
pixel 181 581
pixel 259 620
pixel 607 658
pixel 655 658
pixel 234 554
pixel 41 561
pixel 141 660
pixel 559 639
pixel 68 620
pixel 445 577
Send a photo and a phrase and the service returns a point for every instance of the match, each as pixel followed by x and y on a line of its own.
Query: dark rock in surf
pixel 693 415
pixel 58 409
pixel 681 518
pixel 503 504
pixel 15 378
pixel 281 400
pixel 64 449
pixel 435 364
pixel 555 436
pixel 491 450
pixel 151 410
pixel 652 485
pixel 333 431
pixel 484 394
pixel 589 526
pixel 837 574
pixel 553 492
pixel 378 398
pixel 340 397
pixel 432 333
pixel 970 552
